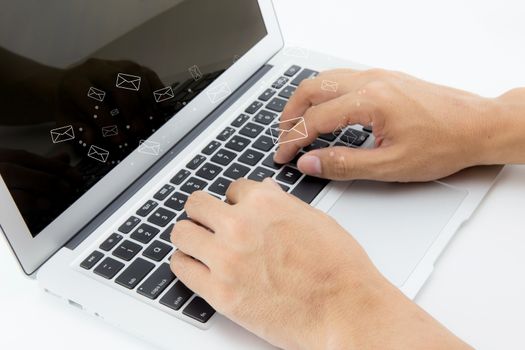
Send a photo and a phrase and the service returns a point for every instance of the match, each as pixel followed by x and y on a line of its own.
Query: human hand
pixel 423 131
pixel 290 274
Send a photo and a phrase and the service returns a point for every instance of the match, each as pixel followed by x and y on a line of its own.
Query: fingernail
pixel 310 165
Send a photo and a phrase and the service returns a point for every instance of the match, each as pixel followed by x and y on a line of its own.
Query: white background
pixel 478 287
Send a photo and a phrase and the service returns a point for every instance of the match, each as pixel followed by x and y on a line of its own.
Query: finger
pixel 207 210
pixel 272 183
pixel 194 274
pixel 344 163
pixel 194 240
pixel 238 189
pixel 327 117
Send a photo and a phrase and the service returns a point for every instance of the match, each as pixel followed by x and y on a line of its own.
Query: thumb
pixel 345 163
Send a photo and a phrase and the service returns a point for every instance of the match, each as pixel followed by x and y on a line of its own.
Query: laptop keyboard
pixel 137 256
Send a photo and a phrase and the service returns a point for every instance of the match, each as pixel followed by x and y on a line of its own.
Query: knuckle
pixel 341 166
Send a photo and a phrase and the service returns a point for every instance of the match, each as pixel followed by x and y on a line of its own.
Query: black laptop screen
pixel 84 83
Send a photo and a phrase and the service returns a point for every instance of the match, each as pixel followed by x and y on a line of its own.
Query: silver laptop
pixel 117 113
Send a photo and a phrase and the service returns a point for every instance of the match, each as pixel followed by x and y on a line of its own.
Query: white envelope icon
pixel 350 136
pixel 96 94
pixel 218 92
pixel 297 132
pixel 98 153
pixel 149 147
pixel 110 130
pixel 195 72
pixel 62 134
pixel 128 81
pixel 328 85
pixel 296 51
pixel 163 94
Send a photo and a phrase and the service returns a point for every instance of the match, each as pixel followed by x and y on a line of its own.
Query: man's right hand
pixel 423 131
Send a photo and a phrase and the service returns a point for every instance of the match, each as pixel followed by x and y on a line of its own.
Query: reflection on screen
pixel 85 83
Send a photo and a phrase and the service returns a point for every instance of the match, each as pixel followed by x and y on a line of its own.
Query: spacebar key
pixel 309 188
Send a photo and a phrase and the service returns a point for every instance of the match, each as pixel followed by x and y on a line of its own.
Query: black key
pixel 129 225
pixel 164 192
pixel 260 174
pixel 161 217
pixel 263 143
pixel 209 171
pixel 305 74
pixel 277 104
pixel 195 162
pixel 91 260
pixel 317 144
pixel 127 250
pixel 264 117
pixel 183 216
pixel 368 129
pixel 193 184
pixel 292 71
pixel 225 134
pixel 284 187
pixel 180 176
pixel 236 171
pixel 340 144
pixel 166 234
pixel 266 95
pixel 328 137
pixel 110 242
pixel 176 201
pixel 108 268
pixel 135 273
pixel 177 296
pixel 199 310
pixel 296 158
pixel 289 175
pixel 212 146
pixel 354 137
pixel 157 282
pixel 238 143
pixel 254 107
pixel 147 208
pixel 223 157
pixel 287 92
pixel 240 120
pixel 250 157
pixel 145 233
pixel 251 130
pixel 272 131
pixel 220 186
pixel 308 188
pixel 157 250
pixel 279 83
pixel 270 163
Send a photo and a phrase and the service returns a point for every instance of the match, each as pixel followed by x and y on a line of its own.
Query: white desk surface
pixel 478 287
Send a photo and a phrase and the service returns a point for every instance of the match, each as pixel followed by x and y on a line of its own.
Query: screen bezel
pixel 31 252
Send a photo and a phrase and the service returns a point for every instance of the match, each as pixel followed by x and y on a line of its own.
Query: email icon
pixel 110 130
pixel 163 94
pixel 297 132
pixel 96 94
pixel 128 81
pixel 149 147
pixel 296 52
pixel 328 85
pixel 114 112
pixel 195 72
pixel 218 92
pixel 62 134
pixel 98 153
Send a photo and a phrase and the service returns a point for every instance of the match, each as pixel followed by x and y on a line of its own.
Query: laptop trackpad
pixel 396 223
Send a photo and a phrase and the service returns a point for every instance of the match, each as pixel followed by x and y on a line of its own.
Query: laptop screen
pixel 85 83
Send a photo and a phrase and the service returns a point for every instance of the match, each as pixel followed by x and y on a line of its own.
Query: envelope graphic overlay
pixel 195 72
pixel 218 92
pixel 297 132
pixel 110 130
pixel 62 134
pixel 163 94
pixel 328 85
pixel 98 153
pixel 149 147
pixel 96 94
pixel 128 81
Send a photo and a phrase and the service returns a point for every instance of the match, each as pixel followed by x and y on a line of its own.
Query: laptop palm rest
pixel 396 223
